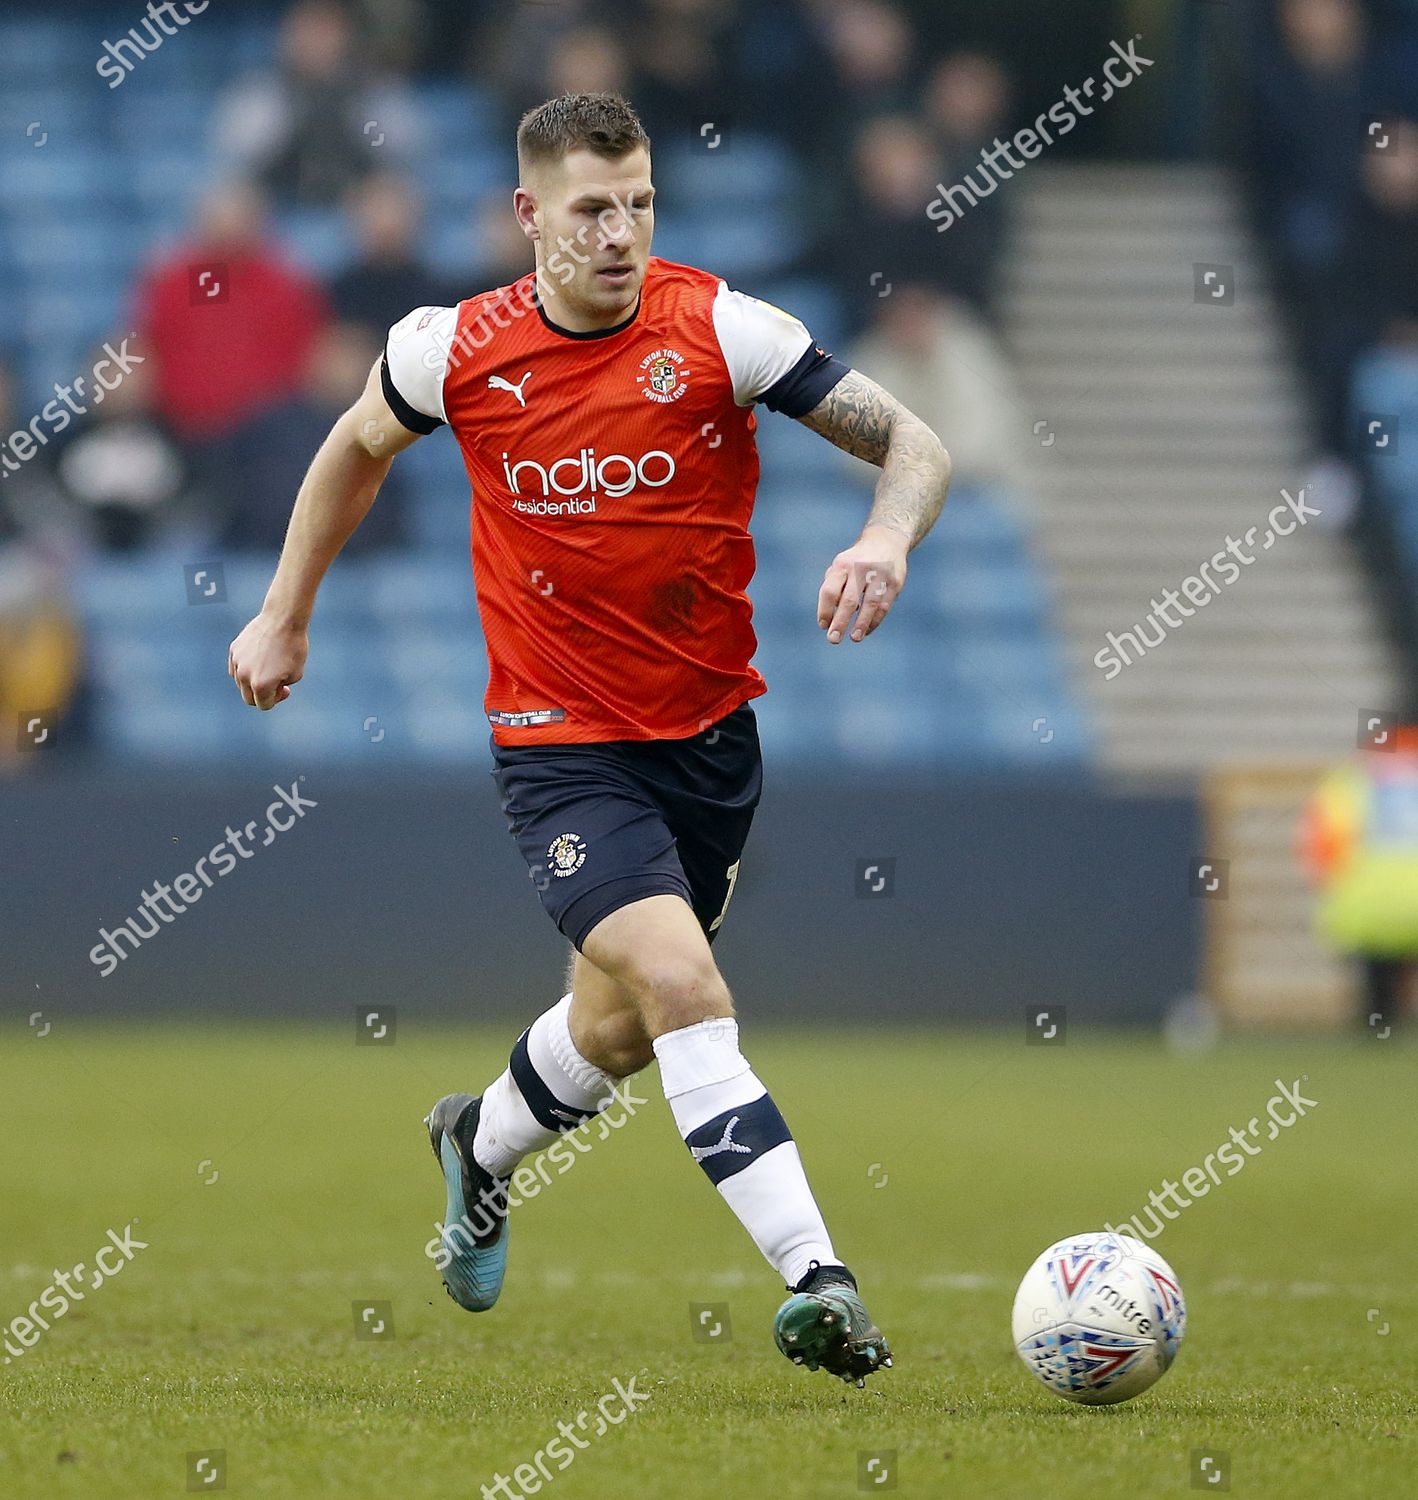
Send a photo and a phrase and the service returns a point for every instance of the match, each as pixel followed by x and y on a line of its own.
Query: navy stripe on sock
pixel 546 1108
pixel 737 1138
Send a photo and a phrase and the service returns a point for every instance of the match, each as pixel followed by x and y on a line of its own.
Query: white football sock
pixel 736 1134
pixel 546 1089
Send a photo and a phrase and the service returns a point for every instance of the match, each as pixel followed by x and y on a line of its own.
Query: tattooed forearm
pixel 865 421
pixel 913 482
pixel 858 416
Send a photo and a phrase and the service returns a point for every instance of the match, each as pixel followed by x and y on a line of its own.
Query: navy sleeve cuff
pixel 803 387
pixel 415 421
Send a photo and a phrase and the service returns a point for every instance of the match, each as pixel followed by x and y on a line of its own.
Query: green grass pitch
pixel 945 1162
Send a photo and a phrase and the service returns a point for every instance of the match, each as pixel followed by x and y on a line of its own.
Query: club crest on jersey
pixel 566 854
pixel 662 377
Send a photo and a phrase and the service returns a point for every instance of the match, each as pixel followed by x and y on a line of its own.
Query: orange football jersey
pixel 613 477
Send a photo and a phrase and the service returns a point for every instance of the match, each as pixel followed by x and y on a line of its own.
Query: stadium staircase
pixel 1168 419
pixel 1169 425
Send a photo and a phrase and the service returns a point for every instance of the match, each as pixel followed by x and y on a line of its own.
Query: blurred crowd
pixel 202 446
pixel 1332 148
pixel 207 441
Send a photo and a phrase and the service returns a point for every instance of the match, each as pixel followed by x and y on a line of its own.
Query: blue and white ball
pixel 1099 1317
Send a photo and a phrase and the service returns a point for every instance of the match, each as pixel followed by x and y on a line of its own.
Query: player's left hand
pixel 863 581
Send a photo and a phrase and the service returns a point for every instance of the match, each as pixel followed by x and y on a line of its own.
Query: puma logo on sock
pixel 726 1143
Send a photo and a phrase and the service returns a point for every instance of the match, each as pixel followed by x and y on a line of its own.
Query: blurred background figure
pixel 586 60
pixel 498 250
pixel 318 123
pixel 942 360
pixel 967 108
pixel 873 48
pixel 1318 71
pixel 684 55
pixel 32 508
pixel 226 320
pixel 507 43
pixel 258 466
pixel 1380 257
pixel 125 473
pixel 39 655
pixel 388 275
pixel 40 539
pixel 1360 841
pixel 967 100
pixel 883 237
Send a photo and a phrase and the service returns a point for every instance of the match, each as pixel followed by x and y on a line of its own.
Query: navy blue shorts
pixel 606 824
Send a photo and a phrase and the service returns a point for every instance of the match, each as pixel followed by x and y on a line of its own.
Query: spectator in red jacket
pixel 226 322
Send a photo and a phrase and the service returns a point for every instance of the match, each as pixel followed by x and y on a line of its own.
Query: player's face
pixel 594 220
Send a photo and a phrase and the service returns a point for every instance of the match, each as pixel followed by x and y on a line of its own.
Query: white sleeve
pixel 417 357
pixel 761 343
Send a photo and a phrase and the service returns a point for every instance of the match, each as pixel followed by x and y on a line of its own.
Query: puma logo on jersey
pixel 497 383
pixel 726 1143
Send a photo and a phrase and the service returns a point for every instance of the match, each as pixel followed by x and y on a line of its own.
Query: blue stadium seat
pixel 168 184
pixel 999 591
pixel 316 238
pixel 250 46
pixel 744 170
pixel 422 587
pixel 445 727
pixel 141 588
pixel 790 515
pixel 37 118
pixel 160 730
pixel 741 250
pixel 448 244
pixel 1025 663
pixel 789 451
pixel 460 117
pixel 73 319
pixel 437 485
pixel 70 249
pixel 247 576
pixel 438 525
pixel 57 177
pixel 320 725
pixel 160 121
pixel 215 50
pixel 980 519
pixel 461 177
pixel 49 48
pixel 447 658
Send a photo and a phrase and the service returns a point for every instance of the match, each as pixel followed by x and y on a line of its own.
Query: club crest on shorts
pixel 566 853
pixel 662 377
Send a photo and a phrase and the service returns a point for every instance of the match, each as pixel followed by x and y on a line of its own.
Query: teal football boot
pixel 474 1233
pixel 824 1325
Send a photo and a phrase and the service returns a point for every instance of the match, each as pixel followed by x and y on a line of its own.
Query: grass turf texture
pixel 234 1330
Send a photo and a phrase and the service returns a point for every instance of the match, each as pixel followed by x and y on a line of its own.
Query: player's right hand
pixel 266 658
